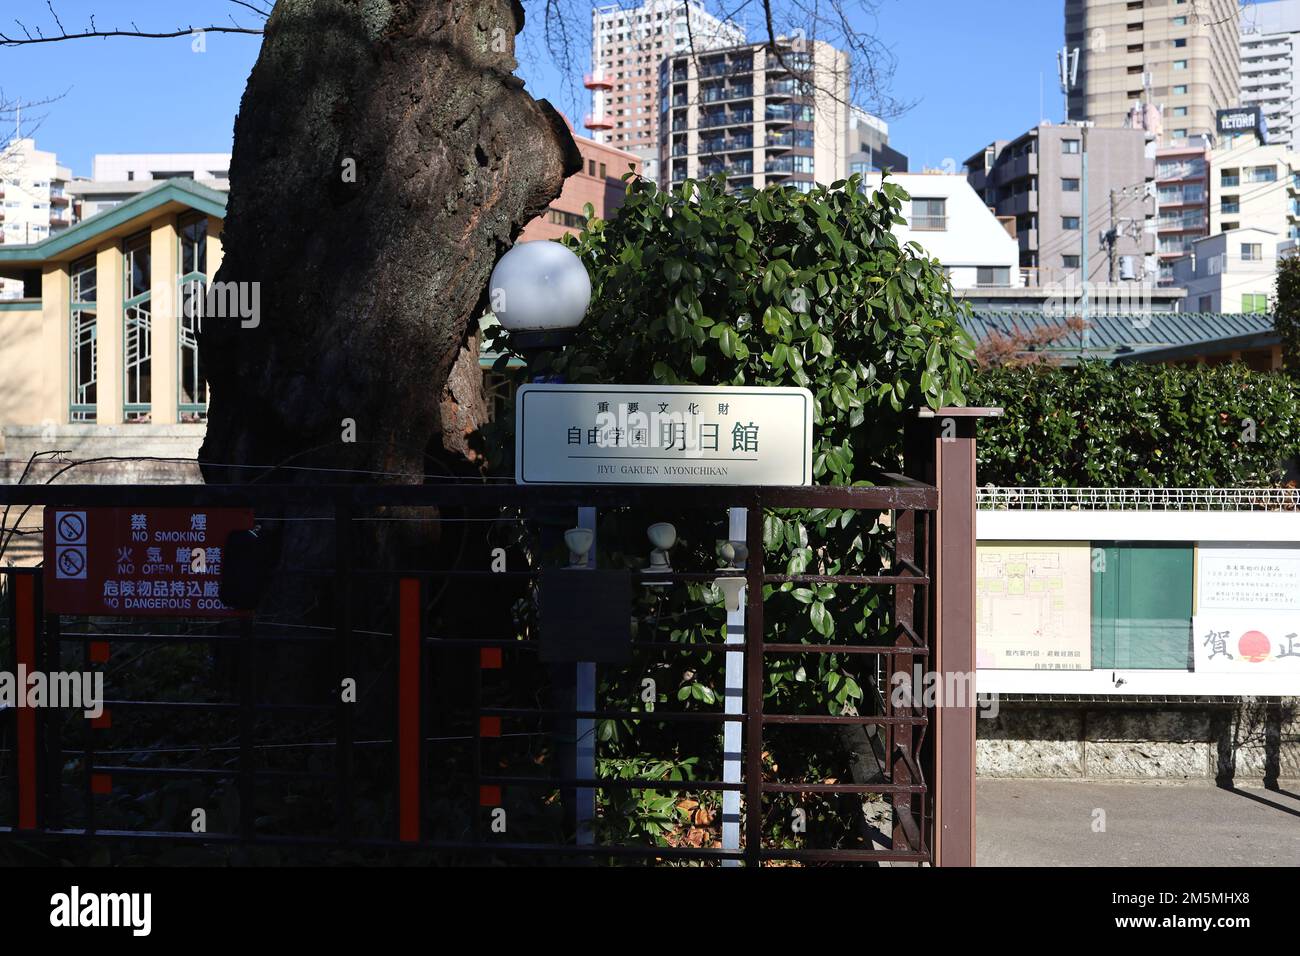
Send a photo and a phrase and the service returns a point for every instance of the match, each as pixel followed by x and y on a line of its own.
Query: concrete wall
pixel 1244 742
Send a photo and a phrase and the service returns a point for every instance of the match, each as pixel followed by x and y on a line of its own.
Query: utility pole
pixel 1112 236
pixel 1083 231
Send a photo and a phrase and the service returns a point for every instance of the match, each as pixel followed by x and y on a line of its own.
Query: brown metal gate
pixel 62 777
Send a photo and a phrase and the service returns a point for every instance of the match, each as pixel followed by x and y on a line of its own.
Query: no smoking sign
pixel 70 545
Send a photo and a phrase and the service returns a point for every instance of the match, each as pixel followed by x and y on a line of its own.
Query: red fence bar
pixel 25 646
pixel 941 451
pixel 408 710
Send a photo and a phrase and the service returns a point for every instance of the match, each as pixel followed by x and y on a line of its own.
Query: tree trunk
pixel 385 156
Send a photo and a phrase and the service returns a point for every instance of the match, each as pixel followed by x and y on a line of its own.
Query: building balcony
pixel 727 169
pixel 726 68
pixel 59 199
pixel 786 88
pixel 598 122
pixel 725 145
pixel 597 81
pixel 722 94
pixel 737 118
pixel 1017 168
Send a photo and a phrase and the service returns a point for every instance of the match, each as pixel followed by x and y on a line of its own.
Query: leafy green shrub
pixel 768 288
pixel 774 287
pixel 1115 426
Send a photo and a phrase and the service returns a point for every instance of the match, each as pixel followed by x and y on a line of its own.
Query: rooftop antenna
pixel 1067 67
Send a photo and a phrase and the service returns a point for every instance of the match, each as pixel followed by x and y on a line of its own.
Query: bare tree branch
pixel 60 33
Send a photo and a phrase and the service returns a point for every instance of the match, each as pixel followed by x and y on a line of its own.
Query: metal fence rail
pixel 59 781
pixel 1138 499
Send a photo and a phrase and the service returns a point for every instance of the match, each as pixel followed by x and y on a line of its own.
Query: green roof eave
pixel 185 191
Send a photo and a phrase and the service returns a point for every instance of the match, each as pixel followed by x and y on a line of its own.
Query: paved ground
pixel 1050 823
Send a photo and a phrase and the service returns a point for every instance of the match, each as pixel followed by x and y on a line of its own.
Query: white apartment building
pixel 116 177
pixel 1270 37
pixel 1254 185
pixel 34 199
pixel 1230 271
pixel 759 116
pixel 947 217
pixel 627 45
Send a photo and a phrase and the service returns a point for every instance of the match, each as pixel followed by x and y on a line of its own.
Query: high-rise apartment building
pixel 1254 185
pixel 34 199
pixel 627 46
pixel 1039 179
pixel 1270 47
pixel 759 115
pixel 1181 55
pixel 1182 201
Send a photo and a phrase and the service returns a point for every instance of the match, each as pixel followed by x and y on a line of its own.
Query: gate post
pixel 940 450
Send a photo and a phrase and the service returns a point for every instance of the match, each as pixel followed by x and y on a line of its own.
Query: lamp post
pixel 539 292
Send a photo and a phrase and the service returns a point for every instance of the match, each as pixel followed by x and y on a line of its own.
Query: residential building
pixel 1254 185
pixel 100 356
pixel 758 114
pixel 1181 55
pixel 599 183
pixel 627 46
pixel 35 202
pixel 868 145
pixel 1182 200
pixel 949 220
pixel 1231 271
pixel 116 177
pixel 1037 178
pixel 1269 38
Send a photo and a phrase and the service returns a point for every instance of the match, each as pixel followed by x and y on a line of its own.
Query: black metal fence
pixel 400 702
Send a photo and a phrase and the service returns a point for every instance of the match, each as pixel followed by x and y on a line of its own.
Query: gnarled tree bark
pixel 385 156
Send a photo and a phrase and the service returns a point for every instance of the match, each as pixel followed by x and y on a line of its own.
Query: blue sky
pixel 974 67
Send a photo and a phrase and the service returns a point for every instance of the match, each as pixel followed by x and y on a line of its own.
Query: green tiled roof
pixel 1114 336
pixel 186 191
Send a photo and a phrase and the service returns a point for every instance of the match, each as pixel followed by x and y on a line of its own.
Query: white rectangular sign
pixel 663 435
pixel 1247 642
pixel 1244 577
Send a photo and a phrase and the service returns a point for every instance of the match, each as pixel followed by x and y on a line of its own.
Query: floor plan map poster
pixel 1247 609
pixel 1033 605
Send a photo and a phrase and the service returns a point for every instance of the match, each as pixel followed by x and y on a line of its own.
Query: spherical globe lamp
pixel 539 292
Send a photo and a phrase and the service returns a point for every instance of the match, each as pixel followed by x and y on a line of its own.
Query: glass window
pixel 1069 185
pixel 1252 251
pixel 1070 222
pixel 1254 302
pixel 84 342
pixel 998 276
pixel 137 344
pixel 1069 145
pixel 192 387
pixel 929 214
pixel 1070 262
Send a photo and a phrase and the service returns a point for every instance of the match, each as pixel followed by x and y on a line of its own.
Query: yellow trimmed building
pixel 100 355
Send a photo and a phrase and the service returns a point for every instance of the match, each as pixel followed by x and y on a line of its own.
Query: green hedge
pixel 1114 426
